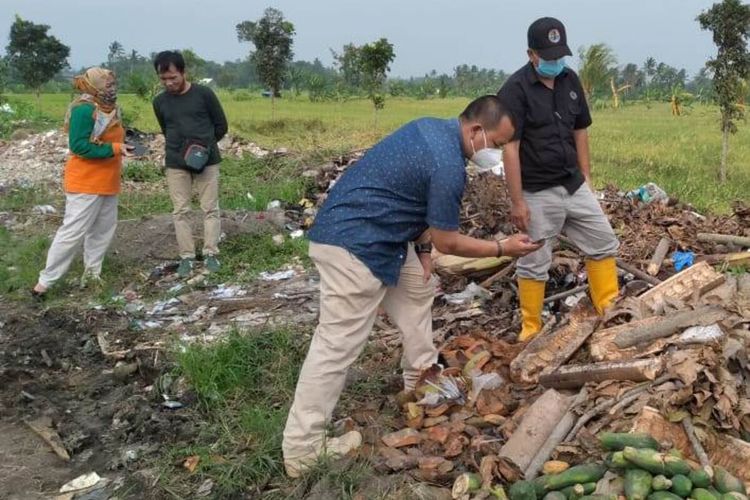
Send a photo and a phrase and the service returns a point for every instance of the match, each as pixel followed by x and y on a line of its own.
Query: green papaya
pixel 681 485
pixel 637 484
pixel 617 441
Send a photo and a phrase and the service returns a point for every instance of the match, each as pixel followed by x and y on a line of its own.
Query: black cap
pixel 547 37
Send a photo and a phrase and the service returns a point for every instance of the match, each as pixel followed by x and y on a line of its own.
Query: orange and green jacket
pixel 92 168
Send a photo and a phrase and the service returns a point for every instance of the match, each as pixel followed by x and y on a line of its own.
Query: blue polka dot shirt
pixel 411 180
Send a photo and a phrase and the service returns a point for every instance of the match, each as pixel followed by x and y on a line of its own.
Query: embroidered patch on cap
pixel 573 95
pixel 554 35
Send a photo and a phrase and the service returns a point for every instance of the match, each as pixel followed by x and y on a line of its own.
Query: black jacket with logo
pixel 545 120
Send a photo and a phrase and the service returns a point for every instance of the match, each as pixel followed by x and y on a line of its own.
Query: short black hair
pixel 488 110
pixel 167 58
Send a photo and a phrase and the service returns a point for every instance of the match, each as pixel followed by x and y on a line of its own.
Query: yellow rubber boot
pixel 531 297
pixel 602 282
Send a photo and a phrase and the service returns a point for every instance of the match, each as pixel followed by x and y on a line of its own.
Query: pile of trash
pixel 39 158
pixel 230 145
pixel 669 358
pixel 672 362
pixel 33 159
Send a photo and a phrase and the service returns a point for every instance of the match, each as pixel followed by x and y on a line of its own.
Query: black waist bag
pixel 196 157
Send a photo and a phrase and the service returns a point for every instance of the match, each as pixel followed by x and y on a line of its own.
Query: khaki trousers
pixel 181 184
pixel 579 216
pixel 89 218
pixel 349 298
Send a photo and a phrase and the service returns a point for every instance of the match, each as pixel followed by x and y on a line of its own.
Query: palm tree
pixel 597 64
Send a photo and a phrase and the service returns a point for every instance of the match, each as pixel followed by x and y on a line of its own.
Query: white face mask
pixel 486 158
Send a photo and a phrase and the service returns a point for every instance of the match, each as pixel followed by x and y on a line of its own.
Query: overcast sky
pixel 427 34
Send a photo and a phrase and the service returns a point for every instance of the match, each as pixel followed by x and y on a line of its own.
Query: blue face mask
pixel 550 69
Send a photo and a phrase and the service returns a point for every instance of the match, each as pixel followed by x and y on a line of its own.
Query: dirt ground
pixel 108 419
pixel 153 237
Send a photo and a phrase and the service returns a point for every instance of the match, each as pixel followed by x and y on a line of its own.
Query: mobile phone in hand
pixel 138 148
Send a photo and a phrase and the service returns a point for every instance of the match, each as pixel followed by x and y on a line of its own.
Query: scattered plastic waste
pixel 299 233
pixel 470 293
pixel 446 389
pixel 44 209
pixel 487 381
pixel 682 260
pixel 273 205
pixel 227 292
pixel 172 405
pixel 700 335
pixel 147 325
pixel 81 482
pixel 278 276
pixel 648 193
pixel 166 306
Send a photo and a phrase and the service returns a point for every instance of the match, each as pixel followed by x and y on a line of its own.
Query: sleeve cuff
pixel 443 226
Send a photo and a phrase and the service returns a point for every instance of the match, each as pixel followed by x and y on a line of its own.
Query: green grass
pixel 245 385
pixel 21 259
pixel 23 256
pixel 245 256
pixel 637 144
pixel 630 146
pixel 245 184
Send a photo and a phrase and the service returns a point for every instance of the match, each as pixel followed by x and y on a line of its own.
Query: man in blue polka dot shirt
pixel 371 244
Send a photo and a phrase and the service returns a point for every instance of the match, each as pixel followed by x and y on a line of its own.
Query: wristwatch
pixel 423 247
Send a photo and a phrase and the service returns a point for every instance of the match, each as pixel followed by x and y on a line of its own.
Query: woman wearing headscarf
pixel 91 180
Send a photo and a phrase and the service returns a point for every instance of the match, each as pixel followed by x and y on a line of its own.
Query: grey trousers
pixel 578 216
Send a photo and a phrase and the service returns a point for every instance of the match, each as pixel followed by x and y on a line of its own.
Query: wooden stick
pixel 637 272
pixel 656 260
pixel 498 275
pixel 573 376
pixel 721 258
pixel 43 428
pixel 560 431
pixel 687 424
pixel 566 293
pixel 741 241
pixel 668 326
pixel 637 390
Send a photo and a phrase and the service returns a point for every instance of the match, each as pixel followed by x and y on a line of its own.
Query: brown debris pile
pixel 458 415
pixel 683 356
pixel 640 226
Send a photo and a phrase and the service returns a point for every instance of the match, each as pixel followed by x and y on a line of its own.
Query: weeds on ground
pixel 16 115
pixel 21 259
pixel 244 386
pixel 247 183
pixel 23 199
pixel 245 256
pixel 140 171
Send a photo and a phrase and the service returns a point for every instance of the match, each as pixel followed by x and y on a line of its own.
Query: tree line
pixel 33 58
pixel 357 70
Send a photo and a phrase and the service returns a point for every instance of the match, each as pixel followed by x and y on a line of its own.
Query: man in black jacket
pixel 193 122
pixel 549 174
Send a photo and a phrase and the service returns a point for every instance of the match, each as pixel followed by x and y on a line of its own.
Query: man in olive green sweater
pixel 193 122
